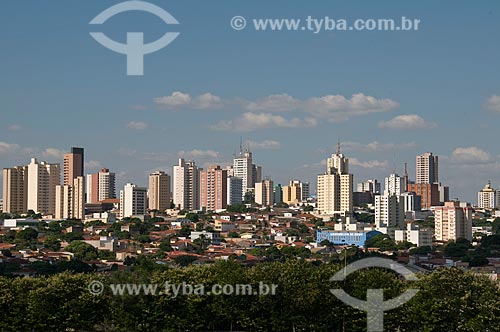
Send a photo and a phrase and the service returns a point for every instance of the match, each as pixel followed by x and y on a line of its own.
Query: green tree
pixel 83 251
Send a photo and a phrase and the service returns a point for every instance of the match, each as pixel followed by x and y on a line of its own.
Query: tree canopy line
pixel 448 300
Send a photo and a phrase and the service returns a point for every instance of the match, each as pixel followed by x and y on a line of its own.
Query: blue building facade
pixel 352 238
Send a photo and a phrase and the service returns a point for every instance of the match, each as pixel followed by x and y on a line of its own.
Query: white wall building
pixel 186 189
pixel 488 198
pixel 42 181
pixel 394 185
pixel 133 201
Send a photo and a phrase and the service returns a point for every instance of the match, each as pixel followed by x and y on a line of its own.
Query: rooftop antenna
pixel 338 147
pixel 406 169
pixel 241 145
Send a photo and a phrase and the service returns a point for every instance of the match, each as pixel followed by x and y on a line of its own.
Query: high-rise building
pixel 335 186
pixel 213 188
pixel 73 165
pixel 133 201
pixel 487 198
pixel 234 188
pixel 243 169
pixel 428 192
pixel 453 221
pixel 412 201
pixel 42 181
pixel 264 194
pixel 101 186
pixel 70 200
pixel 427 168
pixel 394 185
pixel 389 212
pixel 296 192
pixel 371 185
pixel 15 189
pixel 278 193
pixel 159 191
pixel 186 185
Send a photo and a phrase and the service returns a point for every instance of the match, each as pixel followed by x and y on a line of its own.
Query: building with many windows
pixel 488 198
pixel 213 188
pixel 159 191
pixel 133 201
pixel 15 189
pixel 453 221
pixel 186 187
pixel 43 178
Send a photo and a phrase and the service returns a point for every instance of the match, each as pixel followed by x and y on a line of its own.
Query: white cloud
pixel 336 108
pixel 255 121
pixel 470 154
pixel 178 100
pixel 53 153
pixel 199 154
pixel 493 104
pixel 407 122
pixel 368 164
pixel 137 125
pixel 8 147
pixel 264 145
pixel 93 165
pixel 376 146
pixel 14 127
pixel 274 103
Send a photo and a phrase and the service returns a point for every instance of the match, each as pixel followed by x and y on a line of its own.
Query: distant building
pixel 372 186
pixel 101 186
pixel 427 168
pixel 186 188
pixel 248 172
pixel 264 194
pixel 389 212
pixel 278 193
pixel 488 198
pixel 394 185
pixel 70 200
pixel 335 187
pixel 419 237
pixel 428 192
pixel 294 192
pixel 15 189
pixel 213 188
pixel 42 181
pixel 453 221
pixel 412 201
pixel 351 238
pixel 73 165
pixel 133 201
pixel 234 190
pixel 159 191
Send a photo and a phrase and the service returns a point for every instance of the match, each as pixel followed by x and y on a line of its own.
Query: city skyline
pixel 388 96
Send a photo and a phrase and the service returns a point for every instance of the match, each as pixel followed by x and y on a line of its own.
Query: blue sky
pixel 289 93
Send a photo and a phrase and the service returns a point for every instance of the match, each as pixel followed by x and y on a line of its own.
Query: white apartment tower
pixel 159 191
pixel 394 185
pixel 335 186
pixel 42 181
pixel 186 185
pixel 70 200
pixel 133 201
pixel 101 186
pixel 389 212
pixel 487 198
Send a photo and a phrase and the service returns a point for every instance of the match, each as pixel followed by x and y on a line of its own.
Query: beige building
pixel 15 189
pixel 42 181
pixel 453 221
pixel 100 186
pixel 427 168
pixel 292 194
pixel 264 194
pixel 159 191
pixel 335 187
pixel 213 188
pixel 73 165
